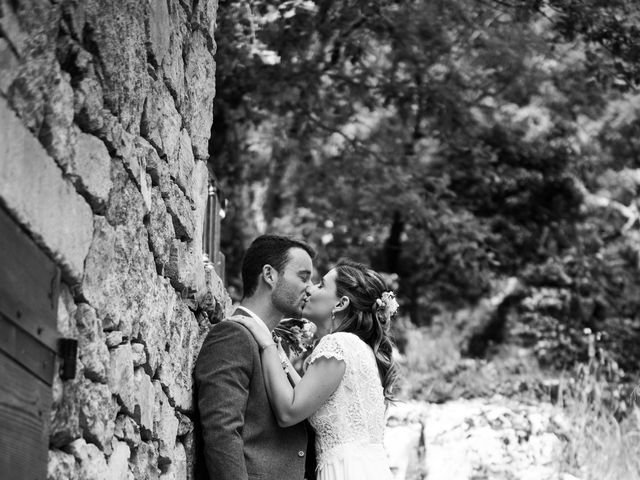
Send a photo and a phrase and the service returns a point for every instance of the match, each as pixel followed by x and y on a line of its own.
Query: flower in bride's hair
pixel 296 333
pixel 388 304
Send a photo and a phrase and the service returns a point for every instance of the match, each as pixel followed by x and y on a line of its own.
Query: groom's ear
pixel 269 275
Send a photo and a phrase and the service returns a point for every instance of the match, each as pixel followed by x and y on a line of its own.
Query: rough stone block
pixel 31 89
pixel 76 19
pixel 118 32
pixel 189 442
pixel 200 90
pixel 89 110
pixel 61 466
pixel 182 169
pixel 200 186
pixel 118 465
pixel 57 133
pixel 182 215
pixel 8 66
pixel 23 162
pixel 28 26
pixel 127 430
pixel 139 355
pixel 10 24
pixel 173 61
pixel 97 414
pixel 134 152
pixel 66 313
pixel 175 371
pixel 102 284
pixel 127 147
pixel 121 382
pixel 215 299
pixel 145 402
pixel 90 461
pixel 65 411
pixel 114 339
pixel 161 232
pixel 157 167
pixel 90 169
pixel 159 25
pixel 153 323
pixel 185 425
pixel 204 15
pixel 186 269
pixel 145 190
pixel 165 425
pixel 144 462
pixel 92 349
pixel 177 469
pixel 119 276
pixel 126 205
pixel 94 362
pixel 161 121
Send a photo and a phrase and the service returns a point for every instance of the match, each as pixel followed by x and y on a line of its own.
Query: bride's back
pixel 354 413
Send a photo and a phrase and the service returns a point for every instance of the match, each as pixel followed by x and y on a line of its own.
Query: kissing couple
pixel 252 403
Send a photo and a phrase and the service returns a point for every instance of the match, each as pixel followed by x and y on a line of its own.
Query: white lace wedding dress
pixel 350 424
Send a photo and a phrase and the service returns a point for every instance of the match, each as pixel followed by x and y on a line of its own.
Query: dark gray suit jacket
pixel 241 437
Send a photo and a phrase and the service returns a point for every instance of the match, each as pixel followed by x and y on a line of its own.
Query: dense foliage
pixel 451 143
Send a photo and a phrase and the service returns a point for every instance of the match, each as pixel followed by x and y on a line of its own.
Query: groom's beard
pixel 286 302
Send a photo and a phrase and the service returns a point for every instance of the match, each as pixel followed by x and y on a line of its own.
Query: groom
pixel 242 439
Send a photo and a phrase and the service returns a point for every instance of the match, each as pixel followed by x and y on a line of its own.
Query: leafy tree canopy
pixel 451 143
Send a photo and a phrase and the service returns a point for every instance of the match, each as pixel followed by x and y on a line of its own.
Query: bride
pixel 349 376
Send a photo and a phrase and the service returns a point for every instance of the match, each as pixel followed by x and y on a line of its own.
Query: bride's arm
pixel 294 377
pixel 292 405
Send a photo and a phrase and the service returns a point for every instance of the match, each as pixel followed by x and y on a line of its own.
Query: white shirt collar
pixel 258 320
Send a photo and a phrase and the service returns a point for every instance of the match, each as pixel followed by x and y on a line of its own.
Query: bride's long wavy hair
pixel 363 317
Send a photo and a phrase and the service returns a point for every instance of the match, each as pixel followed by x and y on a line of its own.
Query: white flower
pixel 389 303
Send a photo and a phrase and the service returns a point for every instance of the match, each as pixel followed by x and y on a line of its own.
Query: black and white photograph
pixel 319 240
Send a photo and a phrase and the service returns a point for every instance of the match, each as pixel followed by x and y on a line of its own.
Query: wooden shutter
pixel 29 287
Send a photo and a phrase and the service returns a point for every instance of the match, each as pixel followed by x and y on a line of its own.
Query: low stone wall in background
pixel 106 113
pixel 483 439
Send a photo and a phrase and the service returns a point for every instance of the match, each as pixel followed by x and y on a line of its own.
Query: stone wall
pixel 480 438
pixel 105 118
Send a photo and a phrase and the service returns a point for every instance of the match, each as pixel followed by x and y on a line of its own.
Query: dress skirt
pixel 354 461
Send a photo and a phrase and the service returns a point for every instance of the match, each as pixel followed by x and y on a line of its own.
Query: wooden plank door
pixel 29 286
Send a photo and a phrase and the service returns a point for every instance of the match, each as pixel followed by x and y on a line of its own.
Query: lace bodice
pixel 354 413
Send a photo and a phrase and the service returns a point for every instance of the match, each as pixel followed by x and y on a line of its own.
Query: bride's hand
pixel 262 337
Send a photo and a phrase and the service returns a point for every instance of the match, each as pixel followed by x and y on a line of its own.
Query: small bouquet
pixel 296 333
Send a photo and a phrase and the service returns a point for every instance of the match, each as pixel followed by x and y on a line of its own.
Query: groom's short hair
pixel 268 250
